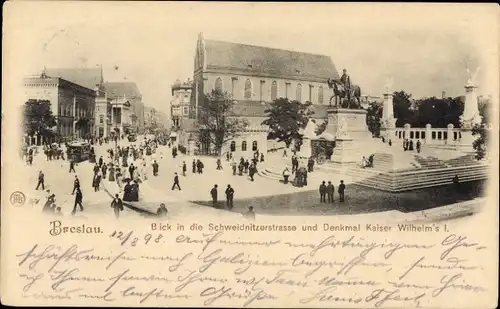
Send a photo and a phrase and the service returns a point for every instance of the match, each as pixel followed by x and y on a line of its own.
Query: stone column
pixel 407 128
pixel 470 116
pixel 449 133
pixel 121 119
pixel 387 122
pixel 428 133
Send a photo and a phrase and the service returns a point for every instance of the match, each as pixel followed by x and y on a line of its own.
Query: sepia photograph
pixel 228 154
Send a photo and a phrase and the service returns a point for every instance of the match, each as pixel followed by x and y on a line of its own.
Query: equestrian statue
pixel 346 94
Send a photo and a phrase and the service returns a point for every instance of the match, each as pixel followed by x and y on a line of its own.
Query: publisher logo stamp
pixel 17 199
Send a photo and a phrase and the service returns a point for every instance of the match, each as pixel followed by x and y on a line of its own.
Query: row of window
pixel 434 135
pixel 67 110
pixel 176 111
pixel 274 90
pixel 244 146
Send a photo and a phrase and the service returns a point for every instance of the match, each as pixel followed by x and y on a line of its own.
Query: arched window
pixel 254 146
pixel 233 146
pixel 299 93
pixel 320 95
pixel 244 146
pixel 274 90
pixel 218 84
pixel 248 89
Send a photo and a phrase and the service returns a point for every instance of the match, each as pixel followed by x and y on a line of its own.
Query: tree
pixel 373 116
pixel 438 112
pixel 286 118
pixel 480 144
pixel 402 108
pixel 38 118
pixel 218 122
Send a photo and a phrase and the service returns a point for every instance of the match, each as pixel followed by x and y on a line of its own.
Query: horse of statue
pixel 339 93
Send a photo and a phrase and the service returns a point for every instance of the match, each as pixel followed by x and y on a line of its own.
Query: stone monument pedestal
pixel 305 148
pixel 346 151
pixel 355 123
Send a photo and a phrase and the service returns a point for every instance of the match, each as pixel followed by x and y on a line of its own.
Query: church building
pixel 254 76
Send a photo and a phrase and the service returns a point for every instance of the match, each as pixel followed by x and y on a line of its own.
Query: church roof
pixel 120 89
pixel 268 62
pixel 86 77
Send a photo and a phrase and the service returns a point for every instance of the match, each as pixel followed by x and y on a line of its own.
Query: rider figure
pixel 346 82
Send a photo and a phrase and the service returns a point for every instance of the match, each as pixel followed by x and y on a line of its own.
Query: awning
pixel 173 134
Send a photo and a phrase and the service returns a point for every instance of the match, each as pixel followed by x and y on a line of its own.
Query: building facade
pixel 254 76
pixel 155 119
pixel 73 105
pixel 182 122
pixel 102 120
pixel 133 118
pixel 91 78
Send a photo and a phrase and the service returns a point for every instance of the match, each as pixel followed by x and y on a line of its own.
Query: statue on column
pixel 472 80
pixel 344 92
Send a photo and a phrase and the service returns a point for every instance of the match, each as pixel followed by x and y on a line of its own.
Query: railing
pixel 429 135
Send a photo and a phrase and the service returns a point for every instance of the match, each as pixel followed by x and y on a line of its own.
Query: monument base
pixel 305 149
pixel 355 120
pixel 346 151
pixel 466 142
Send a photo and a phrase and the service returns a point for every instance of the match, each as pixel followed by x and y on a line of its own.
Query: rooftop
pixel 86 77
pixel 120 89
pixel 266 61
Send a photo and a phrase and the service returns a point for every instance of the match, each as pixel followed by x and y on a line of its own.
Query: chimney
pixel 443 95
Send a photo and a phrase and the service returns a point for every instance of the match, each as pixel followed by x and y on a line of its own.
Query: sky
pixel 425 48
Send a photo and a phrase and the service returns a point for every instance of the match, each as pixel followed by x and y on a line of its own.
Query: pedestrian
pixel 322 192
pixel 48 204
pixel 411 145
pixel 390 142
pixel 97 182
pixel 246 165
pixel 184 168
pixel 96 169
pixel 250 214
pixel 330 191
pixel 162 210
pixel 131 169
pixel 104 170
pixel 101 161
pixel 176 182
pixel 78 201
pixel 233 166
pixel 213 194
pixel 72 166
pixel 117 205
pixel 155 168
pixel 76 184
pixel 229 197
pixel 219 164
pixel 341 191
pixel 284 153
pixel 286 175
pixel 240 169
pixel 58 211
pixel 251 171
pixel 261 157
pixel 419 145
pixel 227 156
pixel 193 165
pixel 41 180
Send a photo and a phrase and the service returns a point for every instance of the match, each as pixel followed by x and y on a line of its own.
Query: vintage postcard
pixel 258 155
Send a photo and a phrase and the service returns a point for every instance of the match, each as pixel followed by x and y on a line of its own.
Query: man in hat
pixel 117 205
